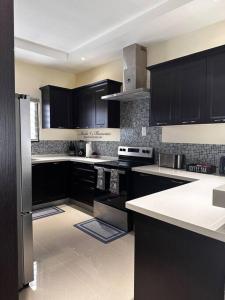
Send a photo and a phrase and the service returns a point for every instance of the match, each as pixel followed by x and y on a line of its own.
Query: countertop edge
pixel 179 223
pixel 50 159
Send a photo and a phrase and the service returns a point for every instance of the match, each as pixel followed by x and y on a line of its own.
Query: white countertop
pixel 37 159
pixel 189 206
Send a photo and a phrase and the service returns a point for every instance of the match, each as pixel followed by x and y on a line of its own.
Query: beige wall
pixel 29 78
pixel 112 70
pixel 199 40
pixel 196 41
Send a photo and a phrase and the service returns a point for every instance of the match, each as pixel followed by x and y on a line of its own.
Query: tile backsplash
pixel 134 116
pixel 49 147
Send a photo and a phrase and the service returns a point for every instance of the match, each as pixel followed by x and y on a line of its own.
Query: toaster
pixel 174 161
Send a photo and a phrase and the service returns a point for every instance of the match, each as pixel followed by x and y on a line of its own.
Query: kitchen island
pixel 179 239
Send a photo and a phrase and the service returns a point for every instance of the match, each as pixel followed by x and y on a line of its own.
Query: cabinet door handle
pixel 188 122
pixel 219 120
pixel 161 123
pixel 100 90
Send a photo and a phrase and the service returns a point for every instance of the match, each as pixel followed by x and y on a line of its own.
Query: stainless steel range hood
pixel 134 75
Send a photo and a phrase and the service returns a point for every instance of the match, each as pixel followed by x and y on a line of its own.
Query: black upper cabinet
pixel 92 111
pixel 107 112
pixel 86 109
pixel 178 92
pixel 216 86
pixel 189 90
pixel 163 93
pixel 74 110
pixel 56 107
pixel 101 107
pixel 81 107
pixel 191 84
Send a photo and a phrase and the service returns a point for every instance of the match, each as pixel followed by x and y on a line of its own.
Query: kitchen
pixel 127 153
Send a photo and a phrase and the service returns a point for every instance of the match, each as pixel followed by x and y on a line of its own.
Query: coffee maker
pixel 81 145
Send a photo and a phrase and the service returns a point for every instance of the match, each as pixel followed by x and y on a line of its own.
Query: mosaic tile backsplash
pixel 49 147
pixel 135 115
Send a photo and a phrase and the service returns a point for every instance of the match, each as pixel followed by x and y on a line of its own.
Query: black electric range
pixel 110 206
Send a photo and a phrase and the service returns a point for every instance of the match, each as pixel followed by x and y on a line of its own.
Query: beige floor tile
pixel 71 265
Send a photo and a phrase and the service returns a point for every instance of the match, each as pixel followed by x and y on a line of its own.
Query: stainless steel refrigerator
pixel 24 191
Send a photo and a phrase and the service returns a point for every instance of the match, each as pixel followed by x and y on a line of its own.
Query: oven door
pixel 109 198
pixel 110 207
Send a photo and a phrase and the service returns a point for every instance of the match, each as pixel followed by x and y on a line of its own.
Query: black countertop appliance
pixel 81 148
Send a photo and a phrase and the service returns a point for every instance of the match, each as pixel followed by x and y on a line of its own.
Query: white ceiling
pixel 59 33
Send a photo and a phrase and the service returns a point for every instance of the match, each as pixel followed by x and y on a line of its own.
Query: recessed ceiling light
pixel 83 58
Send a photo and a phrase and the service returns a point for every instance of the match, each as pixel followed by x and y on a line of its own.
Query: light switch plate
pixel 143 131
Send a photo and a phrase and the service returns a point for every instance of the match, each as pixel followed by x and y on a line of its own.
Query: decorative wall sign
pixel 101 134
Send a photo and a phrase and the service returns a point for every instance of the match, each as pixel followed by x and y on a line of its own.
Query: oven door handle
pixel 109 170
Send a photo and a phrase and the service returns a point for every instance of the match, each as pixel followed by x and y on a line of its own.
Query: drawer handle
pixel 144 175
pixel 177 182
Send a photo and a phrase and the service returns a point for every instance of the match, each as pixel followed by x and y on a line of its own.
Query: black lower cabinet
pixel 49 182
pixel 172 263
pixel 83 179
pixel 59 180
pixel 146 184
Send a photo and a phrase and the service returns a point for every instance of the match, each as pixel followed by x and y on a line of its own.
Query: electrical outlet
pixel 143 131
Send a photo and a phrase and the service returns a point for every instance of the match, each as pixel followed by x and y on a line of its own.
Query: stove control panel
pixel 136 151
